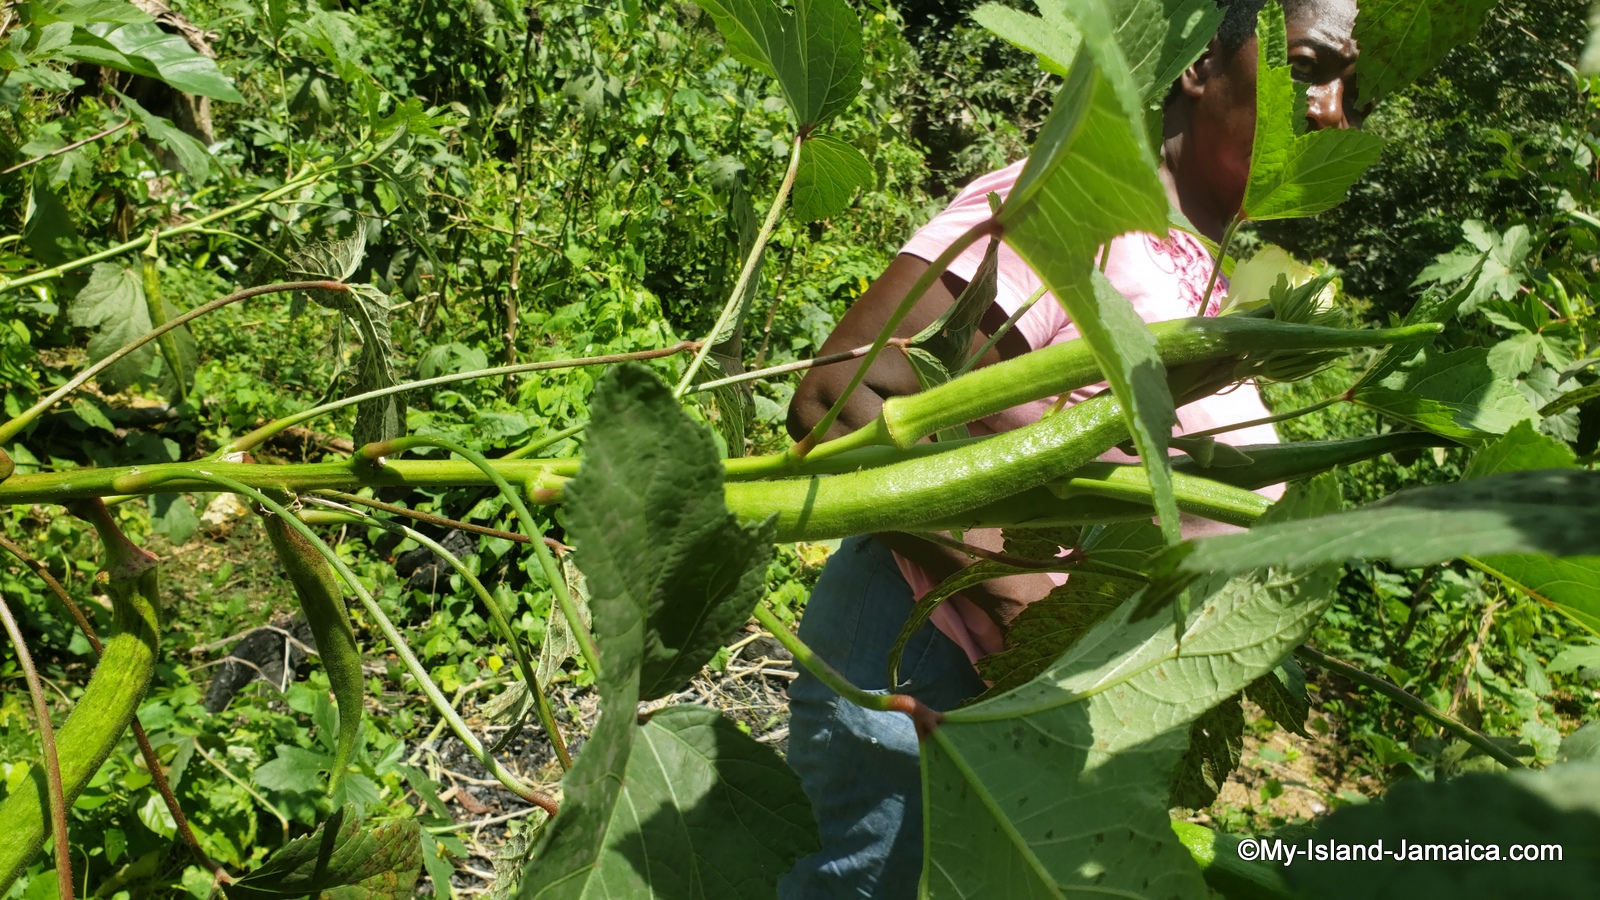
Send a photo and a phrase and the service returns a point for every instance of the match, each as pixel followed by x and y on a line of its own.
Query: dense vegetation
pixel 487 184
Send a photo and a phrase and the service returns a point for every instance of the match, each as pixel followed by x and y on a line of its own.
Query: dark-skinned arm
pixel 891 376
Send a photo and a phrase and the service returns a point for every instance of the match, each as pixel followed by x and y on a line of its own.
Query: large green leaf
pixel 1294 174
pixel 1402 39
pixel 666 809
pixel 1050 36
pixel 666 540
pixel 1061 786
pixel 340 861
pixel 1551 512
pixel 113 305
pixel 147 50
pixel 191 154
pixel 1462 832
pixel 1090 178
pixel 830 172
pixel 1571 585
pixel 1458 395
pixel 814 50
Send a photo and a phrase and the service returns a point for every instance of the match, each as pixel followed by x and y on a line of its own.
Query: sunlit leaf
pixel 341 860
pixel 1050 36
pixel 1458 395
pixel 814 50
pixel 164 57
pixel 830 172
pixel 1402 39
pixel 113 305
pixel 190 153
pixel 1294 174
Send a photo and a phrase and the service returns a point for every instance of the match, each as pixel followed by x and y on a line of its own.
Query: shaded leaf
pixel 814 50
pixel 1293 174
pixel 1559 806
pixel 341 860
pixel 1281 694
pixel 47 226
pixel 648 516
pixel 1216 743
pixel 949 337
pixel 1049 627
pixel 830 172
pixel 1402 39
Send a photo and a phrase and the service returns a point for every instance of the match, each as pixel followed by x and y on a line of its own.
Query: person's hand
pixel 1001 599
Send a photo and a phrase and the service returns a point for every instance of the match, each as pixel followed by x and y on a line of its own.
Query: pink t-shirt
pixel 1163 279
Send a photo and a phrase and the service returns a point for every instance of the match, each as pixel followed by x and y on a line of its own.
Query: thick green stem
pixel 158 317
pixel 552 571
pixel 256 438
pixel 397 643
pixel 1414 703
pixel 907 303
pixel 524 661
pixel 752 262
pixel 11 429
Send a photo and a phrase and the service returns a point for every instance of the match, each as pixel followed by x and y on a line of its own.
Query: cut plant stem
pixel 396 642
pixel 375 454
pixel 1414 703
pixel 1222 254
pixel 12 428
pixel 260 435
pixel 52 763
pixel 907 303
pixel 524 662
pixel 752 262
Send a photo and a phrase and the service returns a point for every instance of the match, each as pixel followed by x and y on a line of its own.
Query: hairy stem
pixel 1414 703
pixel 10 429
pixel 52 763
pixel 752 262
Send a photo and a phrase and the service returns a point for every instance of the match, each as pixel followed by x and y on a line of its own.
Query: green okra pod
pixel 108 703
pixel 1058 368
pixel 322 601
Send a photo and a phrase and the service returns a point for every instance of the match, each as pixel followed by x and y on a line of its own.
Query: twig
pixel 1414 703
pixel 441 521
pixel 70 147
pixel 827 360
pixel 52 763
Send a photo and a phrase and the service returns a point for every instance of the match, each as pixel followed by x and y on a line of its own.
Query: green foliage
pixel 340 860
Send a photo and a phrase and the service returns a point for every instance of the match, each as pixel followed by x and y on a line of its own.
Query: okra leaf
pixel 1056 219
pixel 949 337
pixel 648 519
pixel 341 860
pixel 113 305
pixel 1015 784
pixel 1549 512
pixel 1432 306
pixel 1402 39
pixel 190 153
pixel 1571 585
pixel 670 574
pixel 814 51
pixel 1281 694
pixel 1477 818
pixel 1216 744
pixel 830 172
pixel 1049 627
pixel 1294 174
pixel 1050 36
pixel 149 51
pixel 1457 395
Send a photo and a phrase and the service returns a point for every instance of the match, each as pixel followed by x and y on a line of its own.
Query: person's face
pixel 1322 55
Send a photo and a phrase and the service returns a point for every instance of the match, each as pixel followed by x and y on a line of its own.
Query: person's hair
pixel 1239 20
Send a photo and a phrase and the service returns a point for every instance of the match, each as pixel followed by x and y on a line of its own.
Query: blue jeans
pixel 860 767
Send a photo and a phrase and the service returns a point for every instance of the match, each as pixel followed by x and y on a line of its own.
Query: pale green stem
pixel 1270 420
pixel 10 429
pixel 552 571
pixel 524 662
pixel 390 633
pixel 1216 270
pixel 257 437
pixel 52 762
pixel 818 666
pixel 751 263
pixel 556 437
pixel 918 288
pixel 288 187
pixel 1414 703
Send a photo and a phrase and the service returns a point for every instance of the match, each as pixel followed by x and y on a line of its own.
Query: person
pixel 860 767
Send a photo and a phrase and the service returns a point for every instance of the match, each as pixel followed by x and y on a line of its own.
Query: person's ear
pixel 1194 79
